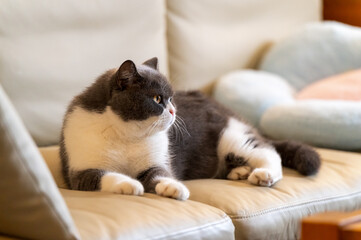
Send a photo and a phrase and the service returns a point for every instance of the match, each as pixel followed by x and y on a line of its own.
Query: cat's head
pixel 141 95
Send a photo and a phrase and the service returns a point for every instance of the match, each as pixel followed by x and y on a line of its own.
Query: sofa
pixel 51 50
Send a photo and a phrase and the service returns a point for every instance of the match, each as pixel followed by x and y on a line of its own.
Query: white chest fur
pixel 105 141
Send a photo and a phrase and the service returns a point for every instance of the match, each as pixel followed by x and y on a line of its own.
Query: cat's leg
pixel 104 181
pixel 159 180
pixel 257 160
pixel 266 165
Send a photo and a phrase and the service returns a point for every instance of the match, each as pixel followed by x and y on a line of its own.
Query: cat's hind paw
pixel 168 187
pixel 117 183
pixel 239 173
pixel 263 177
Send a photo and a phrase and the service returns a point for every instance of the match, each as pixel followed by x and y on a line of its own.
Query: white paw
pixel 168 187
pixel 129 187
pixel 264 177
pixel 118 183
pixel 239 173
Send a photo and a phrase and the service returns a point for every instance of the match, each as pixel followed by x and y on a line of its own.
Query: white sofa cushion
pixel 271 213
pixel 208 38
pixel 51 50
pixel 105 216
pixel 100 215
pixel 276 213
pixel 30 204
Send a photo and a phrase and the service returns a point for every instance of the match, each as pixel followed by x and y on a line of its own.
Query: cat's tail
pixel 298 156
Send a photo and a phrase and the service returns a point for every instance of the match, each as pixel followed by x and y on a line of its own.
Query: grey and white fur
pixel 129 132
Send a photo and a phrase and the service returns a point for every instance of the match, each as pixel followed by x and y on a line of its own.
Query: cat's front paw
pixel 117 183
pixel 264 177
pixel 168 187
pixel 129 187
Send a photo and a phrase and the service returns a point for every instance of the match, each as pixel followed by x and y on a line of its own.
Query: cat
pixel 130 133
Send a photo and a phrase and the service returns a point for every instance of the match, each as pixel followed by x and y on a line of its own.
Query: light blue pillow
pixel 332 124
pixel 319 50
pixel 250 93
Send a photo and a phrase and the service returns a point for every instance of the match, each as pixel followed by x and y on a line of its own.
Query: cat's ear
pixel 153 63
pixel 126 74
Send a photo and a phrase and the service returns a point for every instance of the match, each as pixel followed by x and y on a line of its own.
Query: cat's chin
pixel 166 126
pixel 160 125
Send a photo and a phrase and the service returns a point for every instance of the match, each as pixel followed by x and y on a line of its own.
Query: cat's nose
pixel 171 111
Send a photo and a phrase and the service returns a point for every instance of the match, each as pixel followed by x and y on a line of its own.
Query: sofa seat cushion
pixel 256 212
pixel 100 215
pixel 275 213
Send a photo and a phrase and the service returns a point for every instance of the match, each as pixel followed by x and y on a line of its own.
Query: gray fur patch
pixel 86 180
pixel 298 156
pixel 195 149
pixel 148 177
pixel 64 159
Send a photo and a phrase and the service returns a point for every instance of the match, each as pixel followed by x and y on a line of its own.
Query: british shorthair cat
pixel 129 132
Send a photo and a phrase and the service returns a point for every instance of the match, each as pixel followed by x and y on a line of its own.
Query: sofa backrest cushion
pixel 51 50
pixel 208 38
pixel 31 206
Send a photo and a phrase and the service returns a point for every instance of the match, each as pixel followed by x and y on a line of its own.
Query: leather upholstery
pixel 112 216
pixel 275 213
pixel 256 212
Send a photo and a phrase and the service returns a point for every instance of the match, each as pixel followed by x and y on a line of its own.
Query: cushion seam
pixel 271 210
pixel 225 219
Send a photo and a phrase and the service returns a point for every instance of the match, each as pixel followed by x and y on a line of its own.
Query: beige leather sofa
pixel 50 50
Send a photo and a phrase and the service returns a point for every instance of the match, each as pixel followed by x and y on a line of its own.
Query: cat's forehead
pixel 155 80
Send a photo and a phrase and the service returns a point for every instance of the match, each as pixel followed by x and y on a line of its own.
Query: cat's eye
pixel 157 99
pixel 170 99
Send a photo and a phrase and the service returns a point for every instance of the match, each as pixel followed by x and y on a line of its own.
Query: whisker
pixel 176 130
pixel 183 125
pixel 178 127
pixel 180 130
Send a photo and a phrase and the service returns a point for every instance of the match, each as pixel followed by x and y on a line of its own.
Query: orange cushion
pixel 345 86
